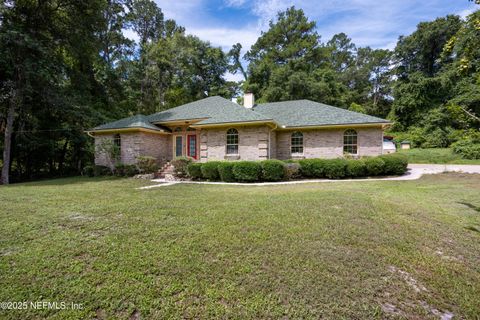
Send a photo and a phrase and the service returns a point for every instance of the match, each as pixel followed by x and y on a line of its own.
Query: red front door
pixel 192 146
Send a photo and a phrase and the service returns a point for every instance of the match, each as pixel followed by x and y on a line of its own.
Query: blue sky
pixel 377 24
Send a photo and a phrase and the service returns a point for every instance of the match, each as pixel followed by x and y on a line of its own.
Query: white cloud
pixel 465 13
pixel 235 3
pixel 226 37
pixel 266 10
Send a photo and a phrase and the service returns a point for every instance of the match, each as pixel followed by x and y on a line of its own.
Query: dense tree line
pixel 66 66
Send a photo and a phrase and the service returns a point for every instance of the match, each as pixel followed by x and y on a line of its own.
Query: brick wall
pixel 135 144
pixel 252 143
pixel 328 143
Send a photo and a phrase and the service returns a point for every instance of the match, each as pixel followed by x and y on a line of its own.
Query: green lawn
pixel 436 155
pixel 333 250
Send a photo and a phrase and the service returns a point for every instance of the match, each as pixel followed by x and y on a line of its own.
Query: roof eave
pixel 125 130
pixel 178 121
pixel 234 123
pixel 340 125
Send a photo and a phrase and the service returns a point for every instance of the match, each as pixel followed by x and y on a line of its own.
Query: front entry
pixel 192 146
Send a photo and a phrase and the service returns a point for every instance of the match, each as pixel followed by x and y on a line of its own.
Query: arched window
pixel 232 141
pixel 117 146
pixel 297 143
pixel 350 141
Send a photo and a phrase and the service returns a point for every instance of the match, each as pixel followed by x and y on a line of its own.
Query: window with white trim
pixel 232 141
pixel 296 143
pixel 350 145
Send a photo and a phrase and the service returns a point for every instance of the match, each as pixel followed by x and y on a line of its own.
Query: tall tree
pixel 235 58
pixel 291 45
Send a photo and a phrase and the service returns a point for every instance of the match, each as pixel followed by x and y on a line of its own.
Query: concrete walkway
pixel 415 171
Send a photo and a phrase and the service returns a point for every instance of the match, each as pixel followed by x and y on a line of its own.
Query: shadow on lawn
pixel 64 181
pixel 471 206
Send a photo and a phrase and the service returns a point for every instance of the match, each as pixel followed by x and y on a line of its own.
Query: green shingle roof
pixel 301 113
pixel 212 109
pixel 217 110
pixel 137 121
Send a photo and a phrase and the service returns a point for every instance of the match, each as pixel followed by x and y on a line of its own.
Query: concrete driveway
pixel 417 170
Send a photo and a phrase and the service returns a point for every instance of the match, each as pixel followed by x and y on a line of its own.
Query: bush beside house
pixel 225 169
pixel 277 170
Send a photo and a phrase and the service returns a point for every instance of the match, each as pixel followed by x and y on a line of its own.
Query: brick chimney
pixel 248 100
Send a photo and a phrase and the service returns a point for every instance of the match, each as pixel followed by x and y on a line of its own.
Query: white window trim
pixel 230 144
pixel 297 154
pixel 350 145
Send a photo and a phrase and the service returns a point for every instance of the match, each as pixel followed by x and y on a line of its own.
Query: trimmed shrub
pixel 210 170
pixel 312 168
pixel 194 170
pixel 147 164
pixel 225 170
pixel 88 171
pixel 273 170
pixel 99 171
pixel 180 164
pixel 292 170
pixel 247 171
pixel 395 164
pixel 334 168
pixel 306 167
pixel 355 168
pixel 374 166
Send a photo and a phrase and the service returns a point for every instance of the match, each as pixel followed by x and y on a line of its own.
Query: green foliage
pixel 334 168
pixel 435 155
pixel 225 169
pixel 88 171
pixel 194 170
pixel 125 170
pixel 357 108
pixel 99 171
pixel 273 170
pixel 374 166
pixel 355 168
pixel 395 164
pixel 312 168
pixel 180 164
pixel 147 164
pixel 247 171
pixel 468 147
pixel 292 170
pixel 210 170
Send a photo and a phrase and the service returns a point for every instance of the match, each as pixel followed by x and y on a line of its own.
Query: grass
pixel 436 155
pixel 401 249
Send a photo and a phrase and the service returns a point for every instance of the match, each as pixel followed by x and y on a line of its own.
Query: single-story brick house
pixel 215 128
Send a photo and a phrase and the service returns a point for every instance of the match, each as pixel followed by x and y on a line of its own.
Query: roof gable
pixel 136 121
pixel 211 110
